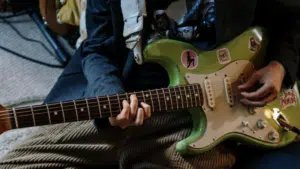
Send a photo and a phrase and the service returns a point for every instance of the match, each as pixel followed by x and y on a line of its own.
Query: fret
pixel 70 111
pixel 11 117
pixel 88 108
pixel 158 100
pixel 76 111
pixel 144 97
pixel 180 97
pixel 171 98
pixel 55 115
pixel 176 98
pixel 16 118
pixel 151 100
pixel 186 96
pixel 195 95
pixel 62 112
pixel 109 106
pixel 48 112
pixel 33 118
pixel 165 99
pixel 81 106
pixel 99 105
pixel 191 95
pixel 115 106
pixel 127 97
pixel 119 102
pixel 199 96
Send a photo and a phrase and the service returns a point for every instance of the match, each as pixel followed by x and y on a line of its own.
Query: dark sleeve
pixel 282 24
pixel 100 57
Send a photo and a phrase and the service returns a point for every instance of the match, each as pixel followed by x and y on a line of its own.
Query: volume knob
pixel 273 135
pixel 261 124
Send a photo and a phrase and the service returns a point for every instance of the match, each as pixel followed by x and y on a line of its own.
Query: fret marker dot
pixel 196 95
pixel 55 113
pixel 167 98
pixel 188 96
pixel 82 109
pixel 147 95
pixel 104 106
pixel 178 97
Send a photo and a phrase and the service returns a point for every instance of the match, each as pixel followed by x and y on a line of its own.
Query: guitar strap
pixel 134 12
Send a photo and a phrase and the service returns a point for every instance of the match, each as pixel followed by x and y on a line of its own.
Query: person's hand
pixel 131 114
pixel 270 77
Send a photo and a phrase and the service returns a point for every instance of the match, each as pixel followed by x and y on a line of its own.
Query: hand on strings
pixel 270 78
pixel 131 114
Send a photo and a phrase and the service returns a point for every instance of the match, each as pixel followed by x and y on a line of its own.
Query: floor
pixel 23 82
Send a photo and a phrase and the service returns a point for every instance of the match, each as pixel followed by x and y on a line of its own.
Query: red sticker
pixel 253 45
pixel 189 59
pixel 223 56
pixel 288 98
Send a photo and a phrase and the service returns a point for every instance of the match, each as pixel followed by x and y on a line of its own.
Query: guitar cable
pixel 288 126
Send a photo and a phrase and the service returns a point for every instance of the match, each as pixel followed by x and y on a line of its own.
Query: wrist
pixel 277 65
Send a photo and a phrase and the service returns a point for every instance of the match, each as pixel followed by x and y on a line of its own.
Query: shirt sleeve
pixel 283 29
pixel 100 61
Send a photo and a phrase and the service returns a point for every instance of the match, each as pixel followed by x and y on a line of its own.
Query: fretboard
pixel 166 99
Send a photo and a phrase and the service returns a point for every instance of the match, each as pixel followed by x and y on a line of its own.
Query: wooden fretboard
pixel 174 98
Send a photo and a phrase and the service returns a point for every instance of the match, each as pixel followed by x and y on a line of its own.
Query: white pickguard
pixel 223 118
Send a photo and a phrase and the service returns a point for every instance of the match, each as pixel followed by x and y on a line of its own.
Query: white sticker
pixel 253 45
pixel 223 56
pixel 288 98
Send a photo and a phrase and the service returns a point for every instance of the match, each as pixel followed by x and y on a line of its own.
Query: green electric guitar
pixel 203 82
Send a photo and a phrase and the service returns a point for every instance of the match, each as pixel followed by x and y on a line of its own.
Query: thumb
pixel 250 82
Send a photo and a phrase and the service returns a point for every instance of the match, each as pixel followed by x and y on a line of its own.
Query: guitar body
pixel 219 72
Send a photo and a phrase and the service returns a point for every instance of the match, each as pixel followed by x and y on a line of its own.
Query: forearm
pixel 103 77
pixel 101 54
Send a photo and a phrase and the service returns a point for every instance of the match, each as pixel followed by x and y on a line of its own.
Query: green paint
pixel 168 52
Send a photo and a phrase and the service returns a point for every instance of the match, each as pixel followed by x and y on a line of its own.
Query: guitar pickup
pixel 209 93
pixel 228 91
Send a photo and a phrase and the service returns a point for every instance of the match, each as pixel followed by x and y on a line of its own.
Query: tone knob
pixel 273 135
pixel 261 124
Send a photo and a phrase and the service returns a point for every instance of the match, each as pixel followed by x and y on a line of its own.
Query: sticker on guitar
pixel 223 56
pixel 189 59
pixel 253 45
pixel 288 98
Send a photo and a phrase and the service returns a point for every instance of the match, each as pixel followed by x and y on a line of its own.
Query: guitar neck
pixel 174 98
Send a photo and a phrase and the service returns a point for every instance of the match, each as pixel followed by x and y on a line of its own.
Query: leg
pixel 71 84
pixel 78 145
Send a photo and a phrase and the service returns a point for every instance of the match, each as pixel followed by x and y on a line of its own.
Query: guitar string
pixel 106 112
pixel 101 101
pixel 118 111
pixel 85 105
pixel 92 114
pixel 122 95
pixel 140 92
pixel 96 106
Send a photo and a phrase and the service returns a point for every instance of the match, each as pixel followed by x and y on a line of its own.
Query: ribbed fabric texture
pixel 80 145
